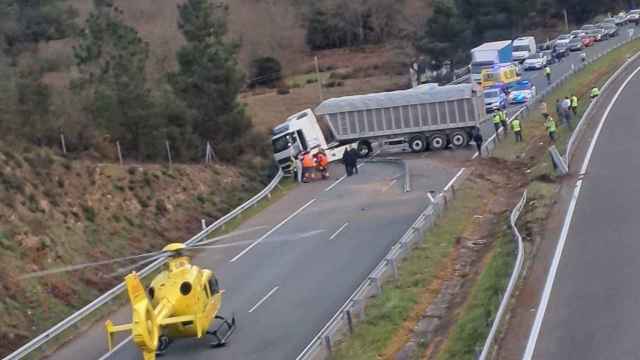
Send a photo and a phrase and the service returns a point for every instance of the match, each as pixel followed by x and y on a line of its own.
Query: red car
pixel 587 40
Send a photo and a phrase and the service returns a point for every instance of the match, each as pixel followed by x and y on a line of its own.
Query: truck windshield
pixel 521 48
pixel 282 143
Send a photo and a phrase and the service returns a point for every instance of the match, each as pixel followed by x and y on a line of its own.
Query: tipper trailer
pixel 426 117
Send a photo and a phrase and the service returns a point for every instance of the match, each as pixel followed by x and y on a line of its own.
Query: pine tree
pixel 208 79
pixel 443 35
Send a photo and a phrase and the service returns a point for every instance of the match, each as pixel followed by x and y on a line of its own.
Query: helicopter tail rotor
pixel 223 330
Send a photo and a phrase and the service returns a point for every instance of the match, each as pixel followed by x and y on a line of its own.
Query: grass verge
pixel 467 336
pixel 386 313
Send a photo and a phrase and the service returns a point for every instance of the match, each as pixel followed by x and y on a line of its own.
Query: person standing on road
pixel 503 120
pixel 566 112
pixel 550 124
pixel 517 129
pixel 574 104
pixel 547 74
pixel 354 160
pixel 348 162
pixel 477 138
pixel 595 92
pixel 496 119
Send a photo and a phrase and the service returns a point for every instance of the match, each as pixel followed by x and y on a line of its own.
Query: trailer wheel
pixel 364 149
pixel 459 139
pixel 418 143
pixel 438 142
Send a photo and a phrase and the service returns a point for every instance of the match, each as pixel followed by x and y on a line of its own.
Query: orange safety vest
pixel 322 160
pixel 307 161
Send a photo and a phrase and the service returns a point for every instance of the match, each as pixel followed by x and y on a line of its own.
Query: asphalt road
pixel 284 288
pixel 295 278
pixel 592 312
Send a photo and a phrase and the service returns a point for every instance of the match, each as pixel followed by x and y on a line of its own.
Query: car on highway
pixel 575 44
pixel 578 33
pixel 521 92
pixel 633 17
pixel 611 30
pixel 495 98
pixel 562 39
pixel 620 20
pixel 587 41
pixel 536 61
pixel 597 34
pixel 549 54
pixel 561 50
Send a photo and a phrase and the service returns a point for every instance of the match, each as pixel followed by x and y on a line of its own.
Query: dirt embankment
pixel 55 211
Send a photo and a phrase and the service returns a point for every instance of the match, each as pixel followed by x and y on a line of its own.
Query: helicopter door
pixel 214 286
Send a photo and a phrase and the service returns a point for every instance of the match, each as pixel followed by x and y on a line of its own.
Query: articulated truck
pixel 425 117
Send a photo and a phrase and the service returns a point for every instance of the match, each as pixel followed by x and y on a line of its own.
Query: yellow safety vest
pixel 574 101
pixel 515 125
pixel 547 70
pixel 595 92
pixel 550 124
pixel 503 116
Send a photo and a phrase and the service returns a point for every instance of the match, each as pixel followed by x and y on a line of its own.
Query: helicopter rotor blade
pixel 132 267
pixel 231 234
pixel 87 265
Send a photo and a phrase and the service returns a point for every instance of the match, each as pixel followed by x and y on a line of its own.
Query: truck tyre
pixel 459 139
pixel 438 142
pixel 364 149
pixel 418 143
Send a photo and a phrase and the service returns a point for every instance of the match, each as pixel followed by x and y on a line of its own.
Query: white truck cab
pixel 523 47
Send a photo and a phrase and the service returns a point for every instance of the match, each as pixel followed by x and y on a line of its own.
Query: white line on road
pixel 336 183
pixel 116 348
pixel 454 179
pixel 339 231
pixel 390 185
pixel 263 299
pixel 273 230
pixel 548 286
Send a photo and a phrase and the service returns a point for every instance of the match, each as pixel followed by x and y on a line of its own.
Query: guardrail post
pixel 349 320
pixel 453 191
pixel 376 284
pixel 204 223
pixel 394 267
pixel 327 343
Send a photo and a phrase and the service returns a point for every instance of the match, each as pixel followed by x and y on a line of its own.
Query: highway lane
pixel 312 272
pixel 592 311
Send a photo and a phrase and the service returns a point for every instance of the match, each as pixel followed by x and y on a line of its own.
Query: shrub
pixel 312 80
pixel 333 83
pixel 265 71
pixel 89 213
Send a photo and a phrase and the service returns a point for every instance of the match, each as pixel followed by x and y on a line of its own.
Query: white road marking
pixel 475 155
pixel 390 185
pixel 339 231
pixel 548 286
pixel 273 230
pixel 116 348
pixel 454 179
pixel 336 183
pixel 263 299
pixel 431 197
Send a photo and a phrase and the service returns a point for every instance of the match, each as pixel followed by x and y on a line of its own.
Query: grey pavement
pixel 593 308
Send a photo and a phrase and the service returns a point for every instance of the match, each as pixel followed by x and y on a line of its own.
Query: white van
pixel 523 47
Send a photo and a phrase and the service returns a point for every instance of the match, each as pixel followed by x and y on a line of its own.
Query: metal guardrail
pixel 111 294
pixel 353 310
pixel 515 274
pixel 405 165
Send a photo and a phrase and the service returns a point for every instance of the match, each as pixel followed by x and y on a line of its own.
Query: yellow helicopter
pixel 182 301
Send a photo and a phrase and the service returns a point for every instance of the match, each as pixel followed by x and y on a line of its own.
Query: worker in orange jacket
pixel 322 164
pixel 308 164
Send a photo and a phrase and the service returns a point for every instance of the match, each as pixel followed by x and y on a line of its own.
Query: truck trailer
pixel 426 117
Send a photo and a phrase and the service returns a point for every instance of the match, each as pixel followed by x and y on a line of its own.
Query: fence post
pixel 169 154
pixel 394 267
pixel 349 321
pixel 119 153
pixel 327 343
pixel 63 143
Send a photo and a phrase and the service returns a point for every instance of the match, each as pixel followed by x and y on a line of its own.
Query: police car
pixel 520 92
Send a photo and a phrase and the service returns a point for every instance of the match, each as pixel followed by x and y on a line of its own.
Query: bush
pixel 312 80
pixel 89 213
pixel 332 83
pixel 283 90
pixel 265 71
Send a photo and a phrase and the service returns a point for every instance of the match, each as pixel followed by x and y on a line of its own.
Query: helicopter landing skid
pixel 224 330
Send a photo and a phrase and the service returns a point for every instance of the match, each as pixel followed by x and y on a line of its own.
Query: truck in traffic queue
pixel 489 54
pixel 432 117
pixel 523 47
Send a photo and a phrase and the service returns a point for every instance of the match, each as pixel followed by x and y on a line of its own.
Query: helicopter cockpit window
pixel 185 288
pixel 151 292
pixel 214 285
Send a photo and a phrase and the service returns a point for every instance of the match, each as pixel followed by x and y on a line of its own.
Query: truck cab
pixel 299 133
